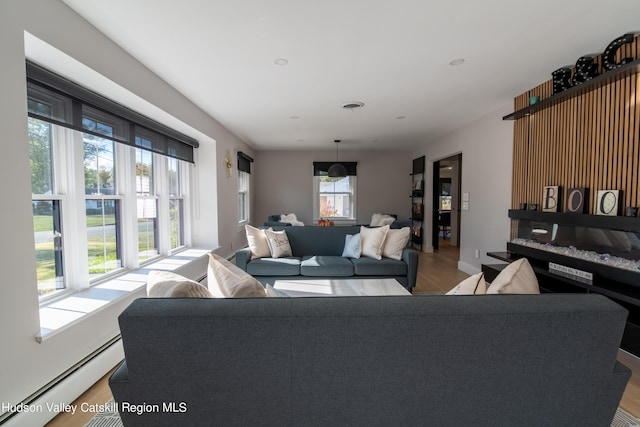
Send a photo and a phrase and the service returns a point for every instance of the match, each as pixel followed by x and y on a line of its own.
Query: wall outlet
pixel 477 253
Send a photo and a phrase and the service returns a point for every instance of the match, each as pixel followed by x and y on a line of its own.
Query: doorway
pixel 447 184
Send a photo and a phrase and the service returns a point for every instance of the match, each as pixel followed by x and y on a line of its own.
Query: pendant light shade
pixel 337 170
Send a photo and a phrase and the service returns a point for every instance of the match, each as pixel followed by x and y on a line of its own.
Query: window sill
pixel 62 313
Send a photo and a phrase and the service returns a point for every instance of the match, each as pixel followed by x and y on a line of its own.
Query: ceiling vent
pixel 353 105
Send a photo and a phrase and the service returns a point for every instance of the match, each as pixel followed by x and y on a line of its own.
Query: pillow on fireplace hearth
pixel 472 285
pixel 517 278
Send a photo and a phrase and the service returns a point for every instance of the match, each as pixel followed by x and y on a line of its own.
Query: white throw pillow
pixel 472 285
pixel 517 278
pixel 257 241
pixel 395 241
pixel 164 284
pixel 291 219
pixel 378 220
pixel 226 280
pixel 352 247
pixel 278 243
pixel 372 241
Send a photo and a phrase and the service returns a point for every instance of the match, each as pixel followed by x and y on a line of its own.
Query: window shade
pixel 244 162
pixel 56 100
pixel 322 168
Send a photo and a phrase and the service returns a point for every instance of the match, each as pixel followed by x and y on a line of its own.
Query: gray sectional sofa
pixel 491 360
pixel 317 252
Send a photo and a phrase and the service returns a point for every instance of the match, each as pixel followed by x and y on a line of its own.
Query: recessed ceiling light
pixel 352 105
pixel 458 61
pixel 281 61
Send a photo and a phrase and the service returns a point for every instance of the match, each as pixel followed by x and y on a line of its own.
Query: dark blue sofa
pixel 491 360
pixel 317 252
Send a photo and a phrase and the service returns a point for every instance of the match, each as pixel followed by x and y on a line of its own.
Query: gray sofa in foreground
pixel 499 360
pixel 317 253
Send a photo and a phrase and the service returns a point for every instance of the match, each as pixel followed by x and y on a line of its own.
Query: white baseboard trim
pixel 468 268
pixel 67 389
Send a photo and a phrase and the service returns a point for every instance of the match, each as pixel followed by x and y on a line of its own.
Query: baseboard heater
pixel 68 386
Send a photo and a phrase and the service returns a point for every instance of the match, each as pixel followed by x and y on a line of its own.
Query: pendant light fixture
pixel 337 170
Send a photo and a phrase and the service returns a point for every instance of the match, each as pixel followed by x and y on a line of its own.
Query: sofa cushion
pixel 274 267
pixel 326 266
pixel 352 248
pixel 378 220
pixel 383 267
pixel 517 278
pixel 278 243
pixel 315 240
pixel 257 241
pixel 473 285
pixel 226 280
pixel 395 242
pixel 164 284
pixel 372 241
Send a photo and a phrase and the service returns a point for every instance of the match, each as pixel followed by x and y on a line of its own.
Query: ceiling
pixel 392 56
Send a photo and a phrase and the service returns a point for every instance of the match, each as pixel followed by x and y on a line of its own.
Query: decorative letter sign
pixel 576 200
pixel 551 199
pixel 586 69
pixel 561 79
pixel 609 55
pixel 608 202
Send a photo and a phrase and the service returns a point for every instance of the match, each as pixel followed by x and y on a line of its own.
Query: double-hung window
pixel 244 185
pixel 334 198
pixel 108 186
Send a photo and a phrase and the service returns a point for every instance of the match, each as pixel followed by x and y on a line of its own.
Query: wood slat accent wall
pixel 591 140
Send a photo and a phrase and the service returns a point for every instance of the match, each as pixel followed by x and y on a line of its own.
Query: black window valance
pixel 244 162
pixel 60 101
pixel 322 168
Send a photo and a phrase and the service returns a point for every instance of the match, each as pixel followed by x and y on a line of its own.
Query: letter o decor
pixel 576 198
pixel 608 202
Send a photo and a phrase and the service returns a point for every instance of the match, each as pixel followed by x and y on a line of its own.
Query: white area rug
pixel 111 419
pixel 624 419
pixel 105 419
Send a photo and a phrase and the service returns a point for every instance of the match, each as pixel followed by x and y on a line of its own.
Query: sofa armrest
pixel 411 256
pixel 243 256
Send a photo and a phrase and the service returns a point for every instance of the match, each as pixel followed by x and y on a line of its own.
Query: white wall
pixel 285 183
pixel 25 365
pixel 486 147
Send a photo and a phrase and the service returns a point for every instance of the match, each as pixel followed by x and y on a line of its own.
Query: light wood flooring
pixel 437 273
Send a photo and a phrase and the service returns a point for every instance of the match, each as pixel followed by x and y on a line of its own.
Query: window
pixel 176 204
pixel 243 196
pixel 147 204
pixel 108 194
pixel 47 217
pixel 244 183
pixel 334 197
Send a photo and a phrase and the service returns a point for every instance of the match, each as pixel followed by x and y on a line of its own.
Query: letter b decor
pixel 551 199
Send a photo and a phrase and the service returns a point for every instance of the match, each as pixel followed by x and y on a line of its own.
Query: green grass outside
pixel 96 248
